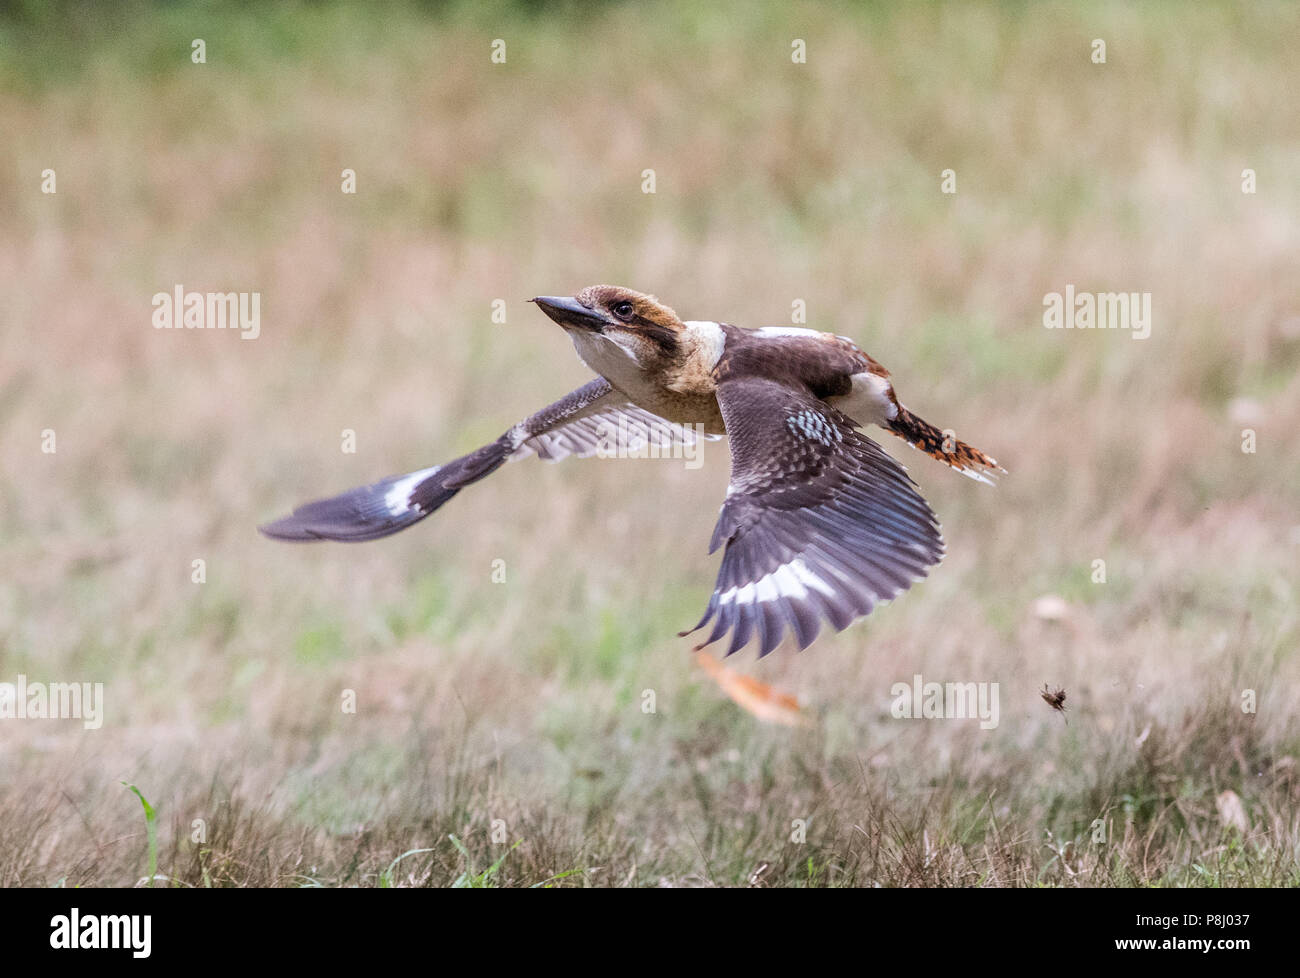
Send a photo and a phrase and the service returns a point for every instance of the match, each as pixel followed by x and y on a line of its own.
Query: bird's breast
pixel 687 409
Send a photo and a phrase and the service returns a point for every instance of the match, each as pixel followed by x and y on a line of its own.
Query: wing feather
pixel 820 523
pixel 593 417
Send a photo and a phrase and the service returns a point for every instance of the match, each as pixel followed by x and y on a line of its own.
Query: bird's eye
pixel 623 310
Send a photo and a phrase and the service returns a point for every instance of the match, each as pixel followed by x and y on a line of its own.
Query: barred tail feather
pixel 925 437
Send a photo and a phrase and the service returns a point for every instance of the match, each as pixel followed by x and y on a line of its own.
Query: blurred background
pixel 499 725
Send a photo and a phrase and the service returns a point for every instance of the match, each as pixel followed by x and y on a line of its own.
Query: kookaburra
pixel 819 522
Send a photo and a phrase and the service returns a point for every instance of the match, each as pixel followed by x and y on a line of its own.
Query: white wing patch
pixel 791 580
pixel 802 332
pixel 398 497
pixel 787 331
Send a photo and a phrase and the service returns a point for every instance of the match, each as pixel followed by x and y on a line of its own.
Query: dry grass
pixel 521 701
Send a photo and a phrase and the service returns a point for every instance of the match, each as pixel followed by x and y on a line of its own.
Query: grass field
pixel 499 735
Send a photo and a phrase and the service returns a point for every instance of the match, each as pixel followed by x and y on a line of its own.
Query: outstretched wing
pixel 604 421
pixel 593 418
pixel 819 522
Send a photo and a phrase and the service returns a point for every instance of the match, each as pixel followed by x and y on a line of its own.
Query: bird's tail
pixel 944 446
pixel 389 505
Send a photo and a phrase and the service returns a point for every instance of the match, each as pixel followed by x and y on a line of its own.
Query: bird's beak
pixel 570 312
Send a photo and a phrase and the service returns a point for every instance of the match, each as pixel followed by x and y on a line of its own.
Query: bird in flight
pixel 819 523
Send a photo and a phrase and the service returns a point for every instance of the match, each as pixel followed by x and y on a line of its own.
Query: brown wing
pixel 581 423
pixel 604 420
pixel 819 522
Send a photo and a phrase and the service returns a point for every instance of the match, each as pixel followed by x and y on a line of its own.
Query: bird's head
pixel 629 324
